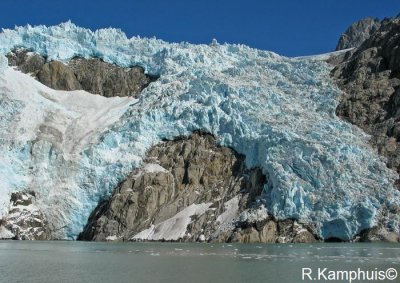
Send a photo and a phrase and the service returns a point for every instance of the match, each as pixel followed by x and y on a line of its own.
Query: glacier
pixel 73 148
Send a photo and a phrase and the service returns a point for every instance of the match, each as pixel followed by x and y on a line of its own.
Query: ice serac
pixel 278 112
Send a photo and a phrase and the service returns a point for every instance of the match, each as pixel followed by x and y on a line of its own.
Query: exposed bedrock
pixel 370 79
pixel 358 32
pixel 378 234
pixel 191 190
pixel 24 220
pixel 92 75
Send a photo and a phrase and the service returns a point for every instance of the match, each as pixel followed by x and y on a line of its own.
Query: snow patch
pixel 48 135
pixel 325 56
pixel 154 168
pixel 70 119
pixel 173 228
pixel 112 238
pixel 230 214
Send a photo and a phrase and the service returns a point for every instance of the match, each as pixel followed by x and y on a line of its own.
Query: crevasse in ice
pixel 279 112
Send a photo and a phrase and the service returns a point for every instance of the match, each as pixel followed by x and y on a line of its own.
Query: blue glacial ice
pixel 279 112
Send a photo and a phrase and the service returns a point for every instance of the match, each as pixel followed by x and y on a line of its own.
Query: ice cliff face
pixel 73 148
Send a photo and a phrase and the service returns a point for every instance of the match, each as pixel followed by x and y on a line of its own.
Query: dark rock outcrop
pixel 370 79
pixel 378 234
pixel 179 176
pixel 175 175
pixel 57 75
pixel 271 230
pixel 357 33
pixel 92 75
pixel 27 62
pixel 24 220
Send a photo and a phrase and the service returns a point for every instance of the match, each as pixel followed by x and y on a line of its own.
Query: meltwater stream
pixel 170 262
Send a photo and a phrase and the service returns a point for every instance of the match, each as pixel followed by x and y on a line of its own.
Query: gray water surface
pixel 22 261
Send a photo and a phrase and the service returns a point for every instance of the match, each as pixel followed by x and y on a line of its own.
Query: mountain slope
pixel 278 112
pixel 357 33
pixel 370 79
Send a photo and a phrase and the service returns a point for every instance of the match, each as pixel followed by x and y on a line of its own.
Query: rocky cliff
pixel 191 189
pixel 92 75
pixel 370 79
pixel 358 32
pixel 24 221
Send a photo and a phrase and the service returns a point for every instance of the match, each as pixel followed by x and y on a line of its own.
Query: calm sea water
pixel 166 262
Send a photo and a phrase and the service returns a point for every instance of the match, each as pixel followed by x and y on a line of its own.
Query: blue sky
pixel 292 28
